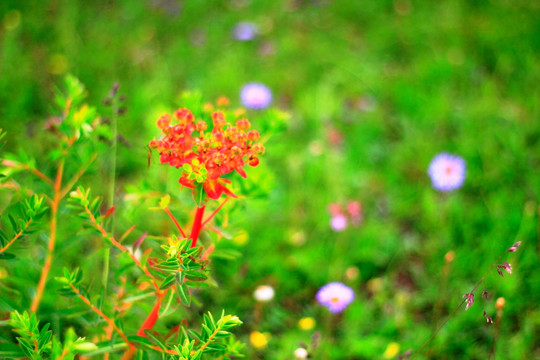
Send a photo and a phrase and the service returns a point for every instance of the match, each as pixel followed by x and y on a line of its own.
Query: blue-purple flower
pixel 245 31
pixel 447 172
pixel 256 96
pixel 335 296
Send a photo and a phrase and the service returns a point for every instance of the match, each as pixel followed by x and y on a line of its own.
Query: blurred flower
pixel 374 285
pixel 391 350
pixel 499 304
pixel 267 48
pixel 338 223
pixel 335 296
pixel 449 256
pixel 447 172
pixel 258 339
pixel 506 266
pixel 256 96
pixel 352 273
pixel 355 211
pixel 316 148
pixel 245 31
pixel 469 299
pixel 306 323
pixel 300 354
pixel 264 293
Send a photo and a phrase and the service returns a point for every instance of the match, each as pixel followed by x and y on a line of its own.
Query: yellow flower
pixel 306 323
pixel 258 339
pixel 391 350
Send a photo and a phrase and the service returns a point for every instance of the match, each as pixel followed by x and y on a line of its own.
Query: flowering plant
pixel 170 269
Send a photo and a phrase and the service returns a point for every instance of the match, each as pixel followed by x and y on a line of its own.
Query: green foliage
pixel 40 344
pixel 214 340
pixel 26 222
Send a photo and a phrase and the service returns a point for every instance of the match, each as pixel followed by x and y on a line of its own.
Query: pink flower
pixel 335 296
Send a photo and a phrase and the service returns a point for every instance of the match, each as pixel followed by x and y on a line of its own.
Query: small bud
pixel 253 135
pixel 223 101
pixel 514 247
pixel 489 320
pixel 499 304
pixel 469 299
pixel 485 294
pixel 449 256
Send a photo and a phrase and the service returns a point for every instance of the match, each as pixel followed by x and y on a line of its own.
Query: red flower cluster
pixel 204 156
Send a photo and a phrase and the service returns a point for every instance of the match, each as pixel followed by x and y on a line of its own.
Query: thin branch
pixel 175 221
pixel 18 235
pixel 216 211
pixel 100 313
pixel 77 176
pixel 458 307
pixel 120 247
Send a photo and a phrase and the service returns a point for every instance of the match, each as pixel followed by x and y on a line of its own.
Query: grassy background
pixel 456 76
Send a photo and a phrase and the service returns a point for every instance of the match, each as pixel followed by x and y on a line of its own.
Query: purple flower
pixel 335 296
pixel 256 96
pixel 447 172
pixel 245 31
pixel 506 267
pixel 338 223
pixel 469 298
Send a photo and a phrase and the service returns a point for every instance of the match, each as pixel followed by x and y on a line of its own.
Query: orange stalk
pixel 120 247
pixel 18 235
pixel 52 238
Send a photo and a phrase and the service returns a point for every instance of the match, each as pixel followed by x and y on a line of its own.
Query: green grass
pixel 456 76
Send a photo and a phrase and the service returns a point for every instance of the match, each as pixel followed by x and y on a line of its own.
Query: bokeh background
pixel 373 91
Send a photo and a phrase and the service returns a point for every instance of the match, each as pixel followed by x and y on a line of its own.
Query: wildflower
pixel 469 298
pixel 514 247
pixel 338 223
pixel 306 323
pixel 485 294
pixel 204 156
pixel 245 31
pixel 256 96
pixel 264 293
pixel 506 266
pixel 499 304
pixel 489 320
pixel 391 351
pixel 300 354
pixel 258 339
pixel 335 296
pixel 447 172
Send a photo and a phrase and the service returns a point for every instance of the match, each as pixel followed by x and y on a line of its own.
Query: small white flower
pixel 300 353
pixel 264 293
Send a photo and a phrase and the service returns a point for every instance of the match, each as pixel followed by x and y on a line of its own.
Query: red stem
pixel 197 225
pixel 153 316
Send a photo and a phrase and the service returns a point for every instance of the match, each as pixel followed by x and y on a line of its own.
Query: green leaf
pixel 198 195
pixel 184 294
pixel 167 282
pixel 6 256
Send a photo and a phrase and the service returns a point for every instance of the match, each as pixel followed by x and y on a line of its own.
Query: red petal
pixel 186 182
pixel 213 189
pixel 227 191
pixel 241 172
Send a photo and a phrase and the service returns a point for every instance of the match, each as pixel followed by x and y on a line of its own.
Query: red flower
pixel 205 156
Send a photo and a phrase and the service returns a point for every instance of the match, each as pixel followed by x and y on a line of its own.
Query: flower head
pixel 256 96
pixel 245 31
pixel 335 296
pixel 447 172
pixel 264 293
pixel 204 155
